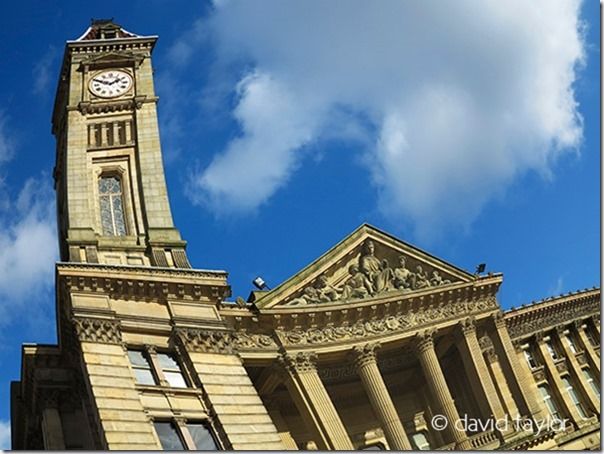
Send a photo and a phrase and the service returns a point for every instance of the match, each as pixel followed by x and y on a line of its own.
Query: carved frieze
pixel 409 320
pixel 226 342
pixel 555 316
pixel 98 330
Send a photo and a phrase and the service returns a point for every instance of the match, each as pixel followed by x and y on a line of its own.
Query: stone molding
pixel 98 330
pixel 407 321
pixel 567 311
pixel 298 363
pixel 217 341
pixel 363 355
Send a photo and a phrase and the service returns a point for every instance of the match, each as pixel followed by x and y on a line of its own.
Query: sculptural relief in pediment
pixel 371 271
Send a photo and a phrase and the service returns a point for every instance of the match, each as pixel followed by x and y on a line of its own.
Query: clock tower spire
pixel 112 200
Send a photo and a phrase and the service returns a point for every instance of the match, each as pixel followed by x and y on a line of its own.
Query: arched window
pixel 112 207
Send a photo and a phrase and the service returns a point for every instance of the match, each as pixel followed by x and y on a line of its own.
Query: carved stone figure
pixel 326 292
pixel 402 276
pixel 437 279
pixel 358 285
pixel 420 278
pixel 378 273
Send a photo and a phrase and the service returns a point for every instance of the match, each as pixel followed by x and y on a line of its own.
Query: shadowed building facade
pixel 371 346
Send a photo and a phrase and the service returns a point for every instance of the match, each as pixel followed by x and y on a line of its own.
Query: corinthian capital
pixel 424 341
pixel 467 325
pixel 363 355
pixel 498 320
pixel 300 362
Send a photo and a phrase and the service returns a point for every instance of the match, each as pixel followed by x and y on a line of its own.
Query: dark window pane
pixel 202 437
pixel 170 441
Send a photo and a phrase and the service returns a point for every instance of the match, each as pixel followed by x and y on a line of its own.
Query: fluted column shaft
pixel 521 381
pixel 366 366
pixel 439 389
pixel 313 402
pixel 477 371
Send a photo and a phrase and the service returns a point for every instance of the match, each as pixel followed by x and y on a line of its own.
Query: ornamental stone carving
pixel 367 277
pixel 467 325
pixel 98 330
pixel 407 321
pixel 298 363
pixel 216 341
pixel 424 341
pixel 365 354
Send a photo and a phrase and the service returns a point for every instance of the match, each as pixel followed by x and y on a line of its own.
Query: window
pixel 168 436
pixel 171 370
pixel 589 378
pixel 173 436
pixel 530 359
pixel 112 209
pixel 549 401
pixel 571 343
pixel 373 447
pixel 156 368
pixel 142 367
pixel 202 437
pixel 552 351
pixel 574 397
pixel 421 442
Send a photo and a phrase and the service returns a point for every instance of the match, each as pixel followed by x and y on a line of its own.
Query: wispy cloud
pixel 42 71
pixel 457 101
pixel 5 442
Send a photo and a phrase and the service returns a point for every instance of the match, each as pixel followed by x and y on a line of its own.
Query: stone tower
pixel 112 200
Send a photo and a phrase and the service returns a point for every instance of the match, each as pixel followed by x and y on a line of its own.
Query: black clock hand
pixel 100 81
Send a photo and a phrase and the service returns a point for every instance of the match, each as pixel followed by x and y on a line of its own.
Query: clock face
pixel 109 84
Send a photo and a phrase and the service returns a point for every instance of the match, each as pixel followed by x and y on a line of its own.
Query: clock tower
pixel 112 199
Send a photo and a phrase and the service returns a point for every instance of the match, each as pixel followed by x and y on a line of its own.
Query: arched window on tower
pixel 112 207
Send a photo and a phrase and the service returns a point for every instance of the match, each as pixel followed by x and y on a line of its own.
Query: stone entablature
pixel 549 314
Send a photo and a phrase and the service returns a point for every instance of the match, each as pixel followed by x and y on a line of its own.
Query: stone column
pixel 477 371
pixel 556 382
pixel 594 359
pixel 313 402
pixel 438 388
pixel 365 362
pixel 577 372
pixel 520 379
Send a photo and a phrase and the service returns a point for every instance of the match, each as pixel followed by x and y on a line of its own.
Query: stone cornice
pixel 549 314
pixel 146 283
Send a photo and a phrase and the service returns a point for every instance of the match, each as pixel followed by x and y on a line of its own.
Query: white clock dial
pixel 109 84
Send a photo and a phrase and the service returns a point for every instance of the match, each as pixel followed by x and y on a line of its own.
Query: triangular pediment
pixel 366 264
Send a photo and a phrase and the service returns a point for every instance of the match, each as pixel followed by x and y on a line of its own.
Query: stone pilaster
pixel 52 427
pixel 577 373
pixel 365 362
pixel 520 379
pixel 594 358
pixel 556 382
pixel 313 402
pixel 477 371
pixel 439 389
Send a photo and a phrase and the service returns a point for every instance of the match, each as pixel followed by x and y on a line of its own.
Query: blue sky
pixel 470 131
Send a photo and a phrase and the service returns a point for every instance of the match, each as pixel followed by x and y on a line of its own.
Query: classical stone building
pixel 375 345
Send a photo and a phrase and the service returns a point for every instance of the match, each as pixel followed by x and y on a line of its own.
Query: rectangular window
pixel 571 343
pixel 112 210
pixel 171 370
pixel 549 401
pixel 168 436
pixel 552 351
pixel 530 359
pixel 574 397
pixel 421 442
pixel 142 367
pixel 595 386
pixel 202 437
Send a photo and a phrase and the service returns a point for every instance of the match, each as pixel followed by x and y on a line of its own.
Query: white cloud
pixel 42 73
pixel 29 248
pixel 5 442
pixel 457 101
